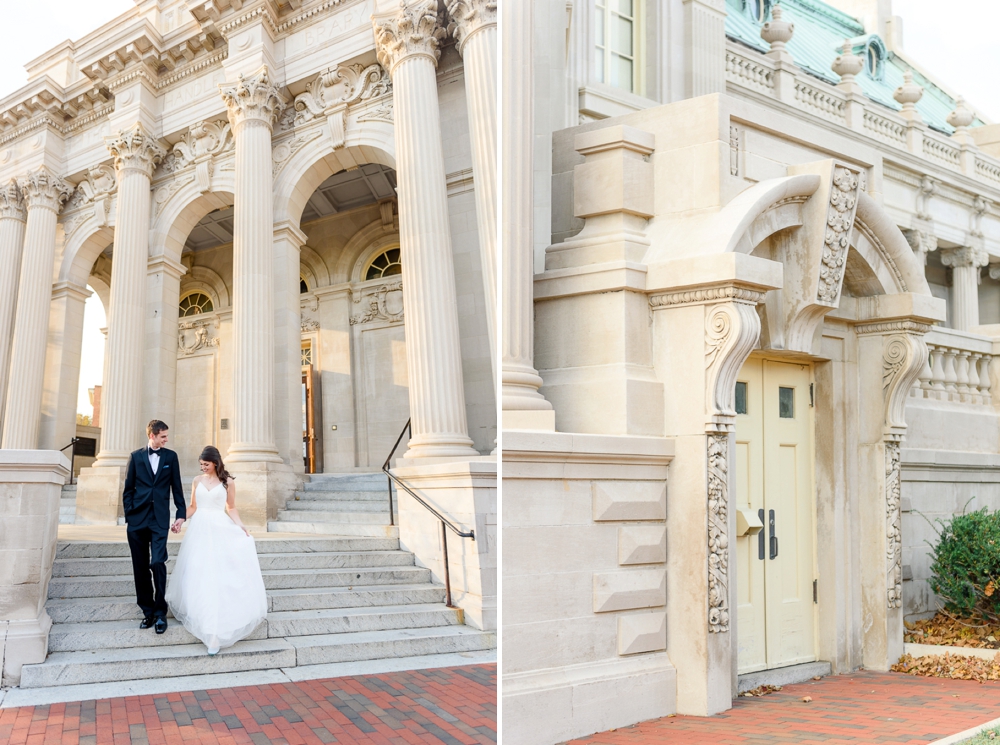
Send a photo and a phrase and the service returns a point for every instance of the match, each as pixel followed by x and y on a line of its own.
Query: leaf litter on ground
pixel 760 691
pixel 946 629
pixel 954 666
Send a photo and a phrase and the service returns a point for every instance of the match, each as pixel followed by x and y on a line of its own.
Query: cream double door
pixel 774 483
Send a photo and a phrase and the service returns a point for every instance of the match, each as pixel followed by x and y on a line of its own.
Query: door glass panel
pixel 786 403
pixel 741 398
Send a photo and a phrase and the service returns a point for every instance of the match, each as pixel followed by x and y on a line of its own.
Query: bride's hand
pixel 247 532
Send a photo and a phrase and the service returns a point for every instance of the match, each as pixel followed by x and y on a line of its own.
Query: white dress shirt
pixel 154 459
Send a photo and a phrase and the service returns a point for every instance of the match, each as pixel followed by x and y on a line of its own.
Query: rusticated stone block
pixel 634 588
pixel 630 500
pixel 642 544
pixel 642 632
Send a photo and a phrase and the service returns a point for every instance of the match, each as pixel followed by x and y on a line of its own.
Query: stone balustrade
pixel 957 369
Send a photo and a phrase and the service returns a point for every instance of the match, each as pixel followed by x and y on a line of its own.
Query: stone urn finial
pixel 847 64
pixel 909 92
pixel 777 32
pixel 962 116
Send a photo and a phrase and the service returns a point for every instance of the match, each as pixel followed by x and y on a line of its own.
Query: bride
pixel 216 589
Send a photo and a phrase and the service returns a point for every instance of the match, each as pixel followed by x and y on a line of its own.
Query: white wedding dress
pixel 216 589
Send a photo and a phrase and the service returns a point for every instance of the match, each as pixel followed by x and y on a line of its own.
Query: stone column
pixel 407 44
pixel 62 365
pixel 704 47
pixel 135 154
pixel 474 25
pixel 254 104
pixel 98 495
pixel 523 407
pixel 11 242
pixel 163 291
pixel 965 264
pixel 43 194
pixel 288 241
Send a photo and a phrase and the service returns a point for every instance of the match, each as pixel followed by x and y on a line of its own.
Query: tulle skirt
pixel 216 589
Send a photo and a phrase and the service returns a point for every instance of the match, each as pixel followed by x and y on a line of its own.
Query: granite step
pixel 123 585
pixel 372 645
pixel 67 511
pixel 109 549
pixel 329 527
pixel 372 480
pixel 77 637
pixel 327 560
pixel 357 496
pixel 139 663
pixel 331 516
pixel 350 620
pixel 339 505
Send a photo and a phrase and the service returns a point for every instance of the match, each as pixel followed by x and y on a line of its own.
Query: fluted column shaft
pixel 44 194
pixel 11 244
pixel 122 428
pixel 519 379
pixel 253 104
pixel 407 46
pixel 965 263
pixel 474 23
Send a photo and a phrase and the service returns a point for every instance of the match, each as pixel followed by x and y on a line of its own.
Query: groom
pixel 153 472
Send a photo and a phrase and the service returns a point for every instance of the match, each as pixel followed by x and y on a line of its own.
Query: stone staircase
pixel 67 505
pixel 350 504
pixel 330 600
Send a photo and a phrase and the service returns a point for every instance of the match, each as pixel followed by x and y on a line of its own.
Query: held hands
pixel 176 527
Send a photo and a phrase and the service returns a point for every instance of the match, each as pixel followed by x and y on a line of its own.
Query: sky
pixel 957 41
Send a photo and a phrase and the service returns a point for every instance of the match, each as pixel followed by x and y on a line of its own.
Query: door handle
pixel 773 537
pixel 760 536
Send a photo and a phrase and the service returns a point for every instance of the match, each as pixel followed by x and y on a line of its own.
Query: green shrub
pixel 966 565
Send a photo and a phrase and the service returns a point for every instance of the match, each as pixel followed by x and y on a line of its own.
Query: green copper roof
pixel 820 31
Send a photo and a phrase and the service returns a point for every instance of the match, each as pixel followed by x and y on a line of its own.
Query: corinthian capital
pixel 254 98
pixel 11 203
pixel 965 256
pixel 40 188
pixel 411 31
pixel 470 16
pixel 134 150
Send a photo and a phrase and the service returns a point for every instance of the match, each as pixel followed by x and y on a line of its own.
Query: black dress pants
pixel 149 566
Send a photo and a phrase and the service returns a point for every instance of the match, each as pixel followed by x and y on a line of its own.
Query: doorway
pixel 775 515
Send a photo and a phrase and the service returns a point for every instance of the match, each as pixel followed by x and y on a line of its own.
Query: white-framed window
pixel 757 9
pixel 386 264
pixel 875 55
pixel 195 303
pixel 617 26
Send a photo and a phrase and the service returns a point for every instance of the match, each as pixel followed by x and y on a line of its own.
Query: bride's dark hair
pixel 212 455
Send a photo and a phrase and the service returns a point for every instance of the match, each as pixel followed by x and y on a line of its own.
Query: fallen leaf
pixel 806 699
pixel 818 677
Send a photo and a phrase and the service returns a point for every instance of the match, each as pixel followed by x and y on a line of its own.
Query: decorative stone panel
pixel 634 588
pixel 642 544
pixel 630 500
pixel 642 632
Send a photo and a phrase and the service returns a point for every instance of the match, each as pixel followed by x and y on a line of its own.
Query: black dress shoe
pixel 160 625
pixel 147 622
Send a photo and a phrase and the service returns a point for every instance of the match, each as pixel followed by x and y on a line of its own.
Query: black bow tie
pixel 153 452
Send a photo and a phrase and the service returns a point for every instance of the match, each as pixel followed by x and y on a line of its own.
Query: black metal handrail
pixel 72 457
pixel 446 524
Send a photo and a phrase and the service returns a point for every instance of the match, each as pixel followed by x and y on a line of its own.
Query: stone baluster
pixel 44 194
pixel 407 44
pixel 926 377
pixel 11 242
pixel 937 382
pixel 474 25
pixel 962 373
pixel 254 104
pixel 122 429
pixel 965 263
pixel 523 407
pixel 950 375
pixel 974 390
pixel 985 384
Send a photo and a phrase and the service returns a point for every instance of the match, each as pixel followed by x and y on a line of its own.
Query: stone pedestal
pixel 30 486
pixel 262 488
pixel 11 242
pixel 465 493
pixel 407 44
pixel 99 495
pixel 43 194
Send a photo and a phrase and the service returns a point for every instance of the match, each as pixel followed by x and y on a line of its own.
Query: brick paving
pixel 863 708
pixel 454 706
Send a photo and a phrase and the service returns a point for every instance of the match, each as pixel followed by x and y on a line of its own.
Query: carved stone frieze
pixel 731 333
pixel 734 150
pixel 163 194
pixel 414 30
pixel 708 294
pixel 469 17
pixel 718 533
pixel 255 98
pixel 284 150
pixel 893 540
pixel 193 336
pixel 341 86
pixel 380 303
pixel 839 222
pixel 41 188
pixel 202 142
pixel 381 113
pixel 134 149
pixel 11 201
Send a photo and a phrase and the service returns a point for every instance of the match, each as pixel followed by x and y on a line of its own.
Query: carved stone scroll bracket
pixel 893 520
pixel 904 354
pixel 718 533
pixel 201 146
pixel 731 333
pixel 333 92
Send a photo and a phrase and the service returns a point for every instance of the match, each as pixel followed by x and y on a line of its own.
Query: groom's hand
pixel 176 527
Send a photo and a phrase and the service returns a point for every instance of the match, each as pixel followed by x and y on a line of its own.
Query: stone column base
pixel 466 493
pixel 99 495
pixel 23 643
pixel 262 488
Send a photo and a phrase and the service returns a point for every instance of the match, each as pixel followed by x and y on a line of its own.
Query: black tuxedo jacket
pixel 147 496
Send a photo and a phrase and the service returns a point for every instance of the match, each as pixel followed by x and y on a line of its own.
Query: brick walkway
pixel 863 708
pixel 452 705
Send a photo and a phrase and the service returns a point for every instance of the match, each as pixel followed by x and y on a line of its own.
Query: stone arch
pixel 207 281
pixel 175 216
pixel 83 247
pixel 363 246
pixel 313 268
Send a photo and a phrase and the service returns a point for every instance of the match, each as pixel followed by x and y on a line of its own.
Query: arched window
pixel 617 34
pixel 195 303
pixel 875 55
pixel 386 264
pixel 303 287
pixel 757 9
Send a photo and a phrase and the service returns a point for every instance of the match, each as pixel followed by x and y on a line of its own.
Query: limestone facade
pixel 711 198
